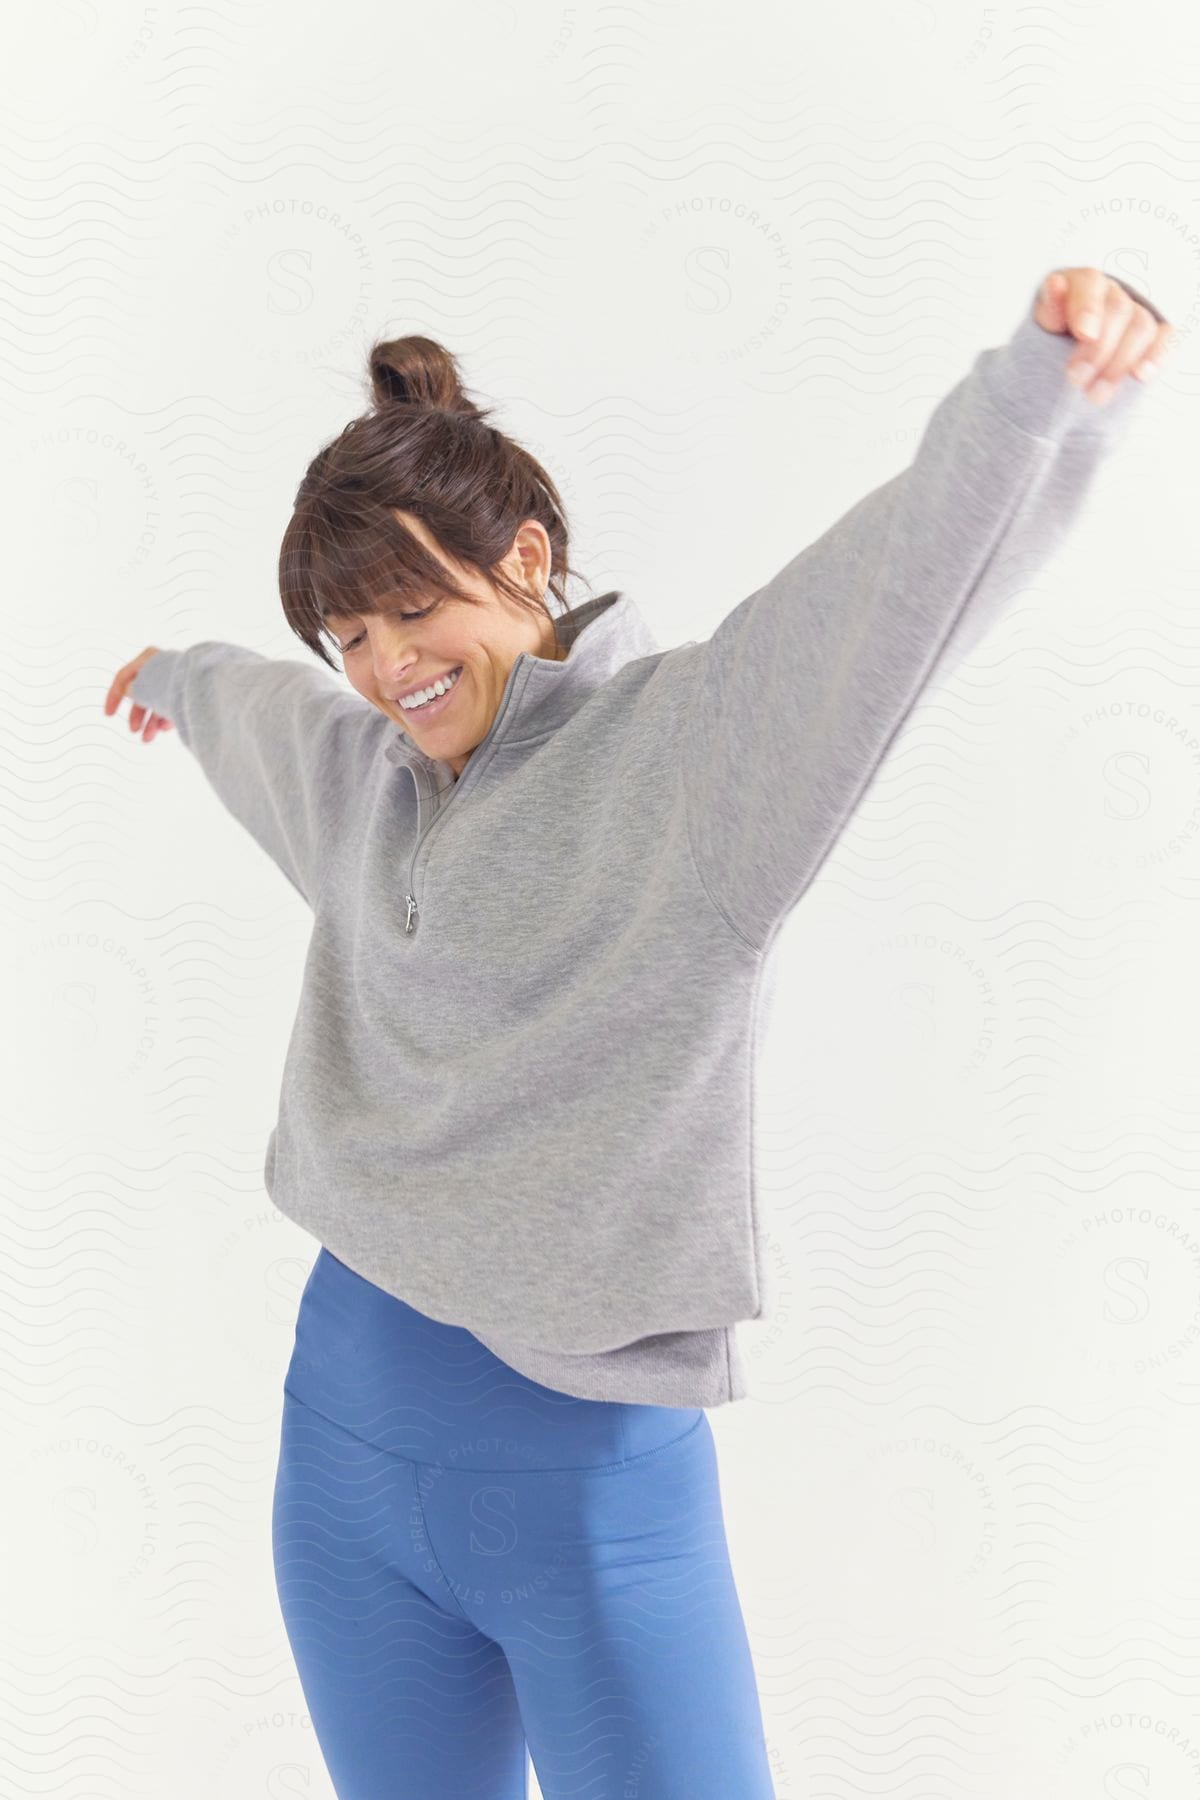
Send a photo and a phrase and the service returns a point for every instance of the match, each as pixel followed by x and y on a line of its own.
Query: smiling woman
pixel 440 671
pixel 585 924
pixel 423 541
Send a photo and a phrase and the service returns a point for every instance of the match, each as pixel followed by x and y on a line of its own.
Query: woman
pixel 547 863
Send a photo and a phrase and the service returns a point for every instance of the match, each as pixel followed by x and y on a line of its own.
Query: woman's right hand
pixel 121 683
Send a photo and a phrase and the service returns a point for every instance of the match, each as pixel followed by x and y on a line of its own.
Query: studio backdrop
pixel 715 267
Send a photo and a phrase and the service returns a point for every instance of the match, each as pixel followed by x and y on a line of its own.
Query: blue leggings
pixel 474 1570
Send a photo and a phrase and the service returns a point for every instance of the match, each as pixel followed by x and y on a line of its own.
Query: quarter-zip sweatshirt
pixel 519 1089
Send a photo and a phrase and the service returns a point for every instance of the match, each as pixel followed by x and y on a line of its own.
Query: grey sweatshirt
pixel 519 1090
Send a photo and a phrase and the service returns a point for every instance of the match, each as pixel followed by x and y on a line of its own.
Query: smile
pixel 438 703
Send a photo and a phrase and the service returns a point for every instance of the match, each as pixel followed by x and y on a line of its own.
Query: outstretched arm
pixel 799 692
pixel 277 740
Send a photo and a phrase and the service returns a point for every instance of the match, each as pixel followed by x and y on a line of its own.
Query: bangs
pixel 347 554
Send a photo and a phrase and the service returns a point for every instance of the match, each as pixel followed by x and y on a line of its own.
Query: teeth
pixel 441 686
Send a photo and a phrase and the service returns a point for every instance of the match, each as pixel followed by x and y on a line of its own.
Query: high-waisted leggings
pixel 475 1570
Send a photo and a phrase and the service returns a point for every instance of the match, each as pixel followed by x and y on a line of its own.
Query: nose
pixel 393 654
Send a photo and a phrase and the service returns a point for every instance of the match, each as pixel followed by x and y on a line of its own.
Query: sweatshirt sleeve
pixel 799 692
pixel 270 736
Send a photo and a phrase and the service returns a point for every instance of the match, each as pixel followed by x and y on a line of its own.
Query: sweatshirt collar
pixel 601 635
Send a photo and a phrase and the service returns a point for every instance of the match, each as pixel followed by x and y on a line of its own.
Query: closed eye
pixel 355 641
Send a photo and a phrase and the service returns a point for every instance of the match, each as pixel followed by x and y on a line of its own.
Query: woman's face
pixel 386 654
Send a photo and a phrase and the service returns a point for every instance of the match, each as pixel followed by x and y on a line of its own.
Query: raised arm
pixel 278 740
pixel 799 692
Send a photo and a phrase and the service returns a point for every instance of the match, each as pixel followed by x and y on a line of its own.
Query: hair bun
pixel 418 372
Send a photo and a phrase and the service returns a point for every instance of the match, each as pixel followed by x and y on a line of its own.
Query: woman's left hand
pixel 1118 336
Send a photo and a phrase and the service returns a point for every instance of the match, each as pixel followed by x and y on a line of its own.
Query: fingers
pixel 1093 356
pixel 1129 340
pixel 1118 332
pixel 1088 302
pixel 1160 343
pixel 1050 312
pixel 121 682
pixel 1132 348
pixel 1116 310
pixel 155 722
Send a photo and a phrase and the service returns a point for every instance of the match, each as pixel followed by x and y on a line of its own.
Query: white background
pixel 716 266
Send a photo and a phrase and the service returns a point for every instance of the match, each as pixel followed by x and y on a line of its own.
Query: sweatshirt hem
pixel 722 1379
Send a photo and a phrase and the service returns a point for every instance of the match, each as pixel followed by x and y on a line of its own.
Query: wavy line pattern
pixel 715 268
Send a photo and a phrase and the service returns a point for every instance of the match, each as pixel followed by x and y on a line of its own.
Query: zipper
pixel 410 899
pixel 476 763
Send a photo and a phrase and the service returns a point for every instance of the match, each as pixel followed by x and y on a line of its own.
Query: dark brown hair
pixel 425 448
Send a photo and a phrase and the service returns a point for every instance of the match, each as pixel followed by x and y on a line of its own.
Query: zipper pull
pixel 412 910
